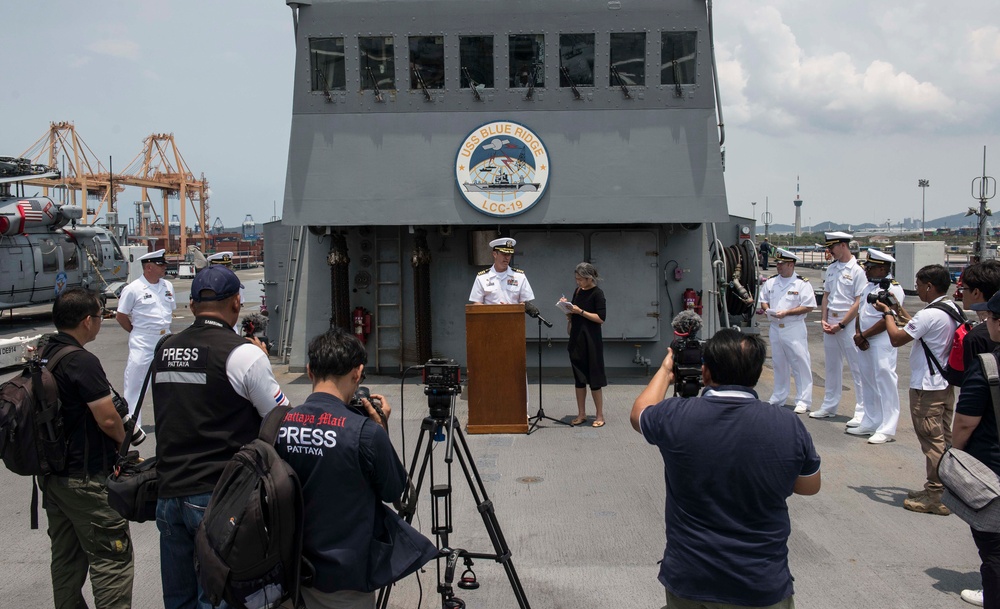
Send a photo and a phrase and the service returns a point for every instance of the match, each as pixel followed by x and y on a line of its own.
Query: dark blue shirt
pixel 976 400
pixel 347 467
pixel 730 462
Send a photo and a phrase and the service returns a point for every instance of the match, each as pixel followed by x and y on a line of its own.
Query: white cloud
pixel 849 80
pixel 123 49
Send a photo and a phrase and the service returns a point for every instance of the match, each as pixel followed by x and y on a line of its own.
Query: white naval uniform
pixel 789 346
pixel 843 283
pixel 508 287
pixel 878 368
pixel 150 308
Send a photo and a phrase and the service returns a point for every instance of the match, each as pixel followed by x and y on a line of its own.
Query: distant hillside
pixel 952 221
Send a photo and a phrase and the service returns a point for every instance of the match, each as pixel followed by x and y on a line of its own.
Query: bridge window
pixel 426 62
pixel 378 67
pixel 327 58
pixel 628 60
pixel 576 60
pixel 476 58
pixel 677 58
pixel 527 60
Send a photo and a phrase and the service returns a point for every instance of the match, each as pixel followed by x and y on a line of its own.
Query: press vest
pixel 321 440
pixel 200 419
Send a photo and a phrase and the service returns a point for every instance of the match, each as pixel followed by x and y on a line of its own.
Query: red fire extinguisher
pixel 692 300
pixel 361 319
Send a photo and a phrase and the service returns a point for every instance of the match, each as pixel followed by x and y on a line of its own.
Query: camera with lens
pixel 121 407
pixel 363 393
pixel 254 325
pixel 442 380
pixel 688 353
pixel 882 294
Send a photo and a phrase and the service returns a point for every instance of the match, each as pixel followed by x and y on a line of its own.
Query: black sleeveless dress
pixel 586 344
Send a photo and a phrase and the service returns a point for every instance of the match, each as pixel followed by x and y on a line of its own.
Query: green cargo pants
pixel 87 534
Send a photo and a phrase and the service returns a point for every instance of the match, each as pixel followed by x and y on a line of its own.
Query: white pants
pixel 790 356
pixel 140 354
pixel 878 381
pixel 838 347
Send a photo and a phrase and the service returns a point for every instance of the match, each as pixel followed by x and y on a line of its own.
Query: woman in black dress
pixel 586 346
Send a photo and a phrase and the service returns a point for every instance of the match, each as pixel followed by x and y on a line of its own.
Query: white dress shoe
pixel 855 422
pixel 801 409
pixel 859 431
pixel 879 438
pixel 821 414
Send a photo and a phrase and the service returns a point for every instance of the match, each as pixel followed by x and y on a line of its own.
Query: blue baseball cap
pixel 218 279
pixel 993 305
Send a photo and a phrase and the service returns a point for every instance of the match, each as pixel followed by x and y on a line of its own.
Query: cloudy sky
pixel 857 99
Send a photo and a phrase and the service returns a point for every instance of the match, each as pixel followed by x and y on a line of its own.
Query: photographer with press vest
pixel 340 449
pixel 86 534
pixel 211 390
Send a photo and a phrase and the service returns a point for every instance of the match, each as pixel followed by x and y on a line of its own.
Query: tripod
pixel 442 425
pixel 535 420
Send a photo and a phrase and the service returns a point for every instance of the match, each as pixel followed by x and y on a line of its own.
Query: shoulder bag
pixel 132 485
pixel 972 488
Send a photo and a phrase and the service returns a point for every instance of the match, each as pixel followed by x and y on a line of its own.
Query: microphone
pixel 532 311
pixel 686 323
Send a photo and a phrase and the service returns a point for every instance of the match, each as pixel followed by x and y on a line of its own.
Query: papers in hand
pixel 770 313
pixel 565 306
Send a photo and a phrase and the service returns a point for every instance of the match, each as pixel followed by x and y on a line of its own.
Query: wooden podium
pixel 496 360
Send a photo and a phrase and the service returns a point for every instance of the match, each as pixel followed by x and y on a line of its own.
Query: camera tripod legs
pixel 441 508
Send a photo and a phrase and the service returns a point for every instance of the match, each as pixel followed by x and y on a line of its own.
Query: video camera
pixel 254 325
pixel 688 352
pixel 442 380
pixel 882 294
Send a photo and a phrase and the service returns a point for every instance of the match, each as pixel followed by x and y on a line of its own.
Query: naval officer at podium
pixel 501 283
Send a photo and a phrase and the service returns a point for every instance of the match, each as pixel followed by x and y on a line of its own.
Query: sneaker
pixel 801 409
pixel 859 431
pixel 925 505
pixel 879 438
pixel 821 414
pixel 855 422
pixel 916 494
pixel 973 597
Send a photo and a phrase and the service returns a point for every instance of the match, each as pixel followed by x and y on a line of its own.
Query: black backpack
pixel 248 548
pixel 32 433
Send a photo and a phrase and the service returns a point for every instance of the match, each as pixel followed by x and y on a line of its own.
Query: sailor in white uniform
pixel 878 356
pixel 786 299
pixel 145 309
pixel 501 283
pixel 226 260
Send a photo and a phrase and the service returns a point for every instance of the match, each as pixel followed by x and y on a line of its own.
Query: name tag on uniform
pixel 791 293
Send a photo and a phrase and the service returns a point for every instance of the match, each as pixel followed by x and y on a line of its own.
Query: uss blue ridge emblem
pixel 502 168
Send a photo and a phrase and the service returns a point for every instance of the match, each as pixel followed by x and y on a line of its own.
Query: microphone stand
pixel 535 420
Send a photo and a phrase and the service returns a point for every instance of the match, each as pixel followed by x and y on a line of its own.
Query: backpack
pixel 954 369
pixel 32 433
pixel 248 548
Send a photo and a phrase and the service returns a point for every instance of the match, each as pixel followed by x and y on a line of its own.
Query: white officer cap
pixel 835 237
pixel 225 258
pixel 783 255
pixel 156 257
pixel 504 244
pixel 877 257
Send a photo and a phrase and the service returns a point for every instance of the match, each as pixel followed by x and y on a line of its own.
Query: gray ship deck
pixel 582 508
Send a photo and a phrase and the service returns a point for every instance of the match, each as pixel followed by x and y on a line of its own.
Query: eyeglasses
pixel 99 315
pixel 994 317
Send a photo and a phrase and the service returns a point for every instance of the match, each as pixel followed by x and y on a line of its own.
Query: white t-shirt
pixel 249 372
pixel 937 329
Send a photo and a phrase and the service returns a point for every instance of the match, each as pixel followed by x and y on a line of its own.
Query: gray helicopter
pixel 44 248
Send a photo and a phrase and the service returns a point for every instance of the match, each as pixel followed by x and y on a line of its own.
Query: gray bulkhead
pixel 633 178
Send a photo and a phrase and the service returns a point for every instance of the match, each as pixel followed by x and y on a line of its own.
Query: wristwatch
pixel 892 313
pixel 841 324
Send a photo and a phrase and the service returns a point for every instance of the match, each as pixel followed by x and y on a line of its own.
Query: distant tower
pixel 798 209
